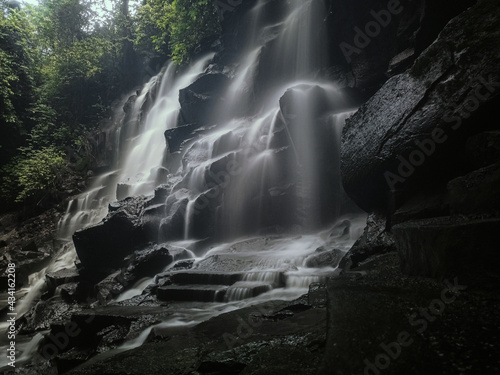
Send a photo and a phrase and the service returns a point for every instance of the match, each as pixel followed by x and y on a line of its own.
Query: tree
pixel 16 79
pixel 180 24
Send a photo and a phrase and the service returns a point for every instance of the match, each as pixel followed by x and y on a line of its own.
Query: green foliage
pixel 33 175
pixel 182 24
pixel 152 33
pixel 190 21
pixel 62 66
pixel 16 80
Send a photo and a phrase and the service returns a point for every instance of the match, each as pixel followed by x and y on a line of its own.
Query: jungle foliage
pixel 63 63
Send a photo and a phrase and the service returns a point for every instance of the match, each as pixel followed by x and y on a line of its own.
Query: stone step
pixel 245 289
pixel 194 293
pixel 206 278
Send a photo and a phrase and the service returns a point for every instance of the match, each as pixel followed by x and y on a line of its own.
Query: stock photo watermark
pixel 55 344
pixel 425 148
pixel 11 314
pixel 363 37
pixel 420 320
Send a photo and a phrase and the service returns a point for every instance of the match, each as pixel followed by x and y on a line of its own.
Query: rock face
pixel 449 246
pixel 376 239
pixel 408 132
pixel 102 247
pixel 200 98
pixel 405 29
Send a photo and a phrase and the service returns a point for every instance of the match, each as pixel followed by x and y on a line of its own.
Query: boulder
pixel 199 293
pixel 374 240
pixel 150 261
pixel 175 137
pixel 423 113
pixel 327 258
pixel 110 287
pixel 64 276
pixel 101 248
pixel 200 98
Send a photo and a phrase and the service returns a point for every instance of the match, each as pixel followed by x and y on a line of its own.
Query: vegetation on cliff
pixel 63 63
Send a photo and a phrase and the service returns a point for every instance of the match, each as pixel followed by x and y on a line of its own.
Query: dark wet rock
pixel 418 107
pixel 327 258
pixel 200 293
pixel 476 192
pixel 374 240
pixel 483 149
pixel 293 308
pixel 27 262
pixel 183 265
pixel 240 337
pixel 110 287
pixel 103 328
pixel 200 98
pixel 210 278
pixel 129 104
pixel 64 276
pixel 160 195
pixel 423 205
pixel 177 136
pixel 112 336
pixel 394 48
pixel 148 262
pixel 72 358
pixel 317 295
pixel 101 248
pixel 71 292
pixel 431 319
pixel 223 367
pixel 449 246
pixel 44 314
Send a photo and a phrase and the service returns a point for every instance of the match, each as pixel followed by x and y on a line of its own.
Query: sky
pixel 108 4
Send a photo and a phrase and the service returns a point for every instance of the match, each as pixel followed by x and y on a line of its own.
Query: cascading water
pixel 265 162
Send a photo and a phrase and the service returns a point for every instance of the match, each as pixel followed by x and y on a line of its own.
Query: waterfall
pixel 262 158
pixel 268 159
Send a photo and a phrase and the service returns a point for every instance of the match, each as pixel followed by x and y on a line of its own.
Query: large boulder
pixel 102 247
pixel 374 240
pixel 425 113
pixel 200 98
pixel 405 29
